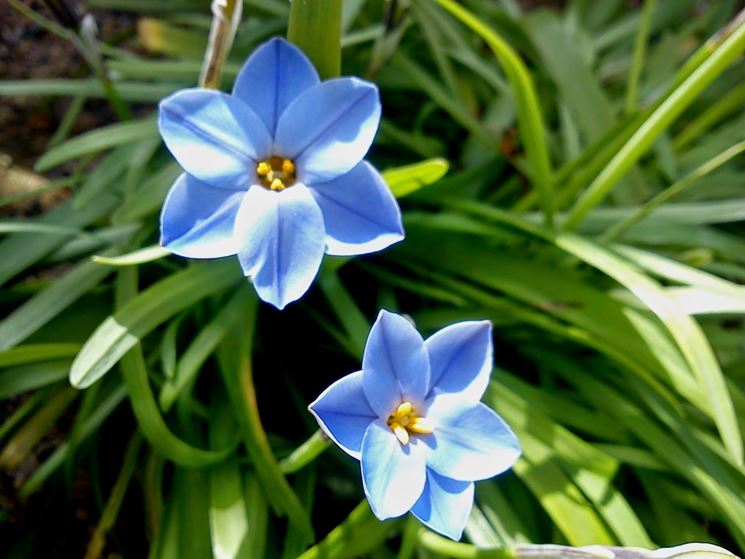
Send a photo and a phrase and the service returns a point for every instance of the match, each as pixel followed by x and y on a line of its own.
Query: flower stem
pixel 145 408
pixel 226 15
pixel 305 453
pixel 315 27
pixel 234 358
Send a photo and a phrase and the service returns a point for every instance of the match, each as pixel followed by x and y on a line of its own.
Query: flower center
pixel 276 173
pixel 404 422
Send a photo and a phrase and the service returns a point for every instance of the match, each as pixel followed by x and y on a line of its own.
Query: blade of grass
pixel 715 63
pixel 528 108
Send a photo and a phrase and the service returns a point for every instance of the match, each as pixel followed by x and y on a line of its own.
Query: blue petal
pixel 197 219
pixel 395 367
pixel 329 128
pixel 469 443
pixel 393 474
pixel 461 358
pixel 275 74
pixel 445 504
pixel 214 137
pixel 280 235
pixel 359 211
pixel 344 414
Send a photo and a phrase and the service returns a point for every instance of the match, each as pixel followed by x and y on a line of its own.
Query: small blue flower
pixel 274 172
pixel 413 418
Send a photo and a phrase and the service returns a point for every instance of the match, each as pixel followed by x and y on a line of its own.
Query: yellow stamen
pixel 420 425
pixel 277 185
pixel 263 168
pixel 288 167
pixel 404 422
pixel 401 433
pixel 403 410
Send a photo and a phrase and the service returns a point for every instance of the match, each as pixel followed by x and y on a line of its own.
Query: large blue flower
pixel 274 172
pixel 413 418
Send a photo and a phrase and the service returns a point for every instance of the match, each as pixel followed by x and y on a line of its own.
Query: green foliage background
pixel 591 209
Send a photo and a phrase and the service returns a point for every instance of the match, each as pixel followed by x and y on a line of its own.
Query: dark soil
pixel 29 52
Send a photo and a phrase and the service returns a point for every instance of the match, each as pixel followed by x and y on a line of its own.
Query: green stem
pixel 640 49
pixel 305 453
pixel 529 114
pixel 226 15
pixel 315 27
pixel 234 356
pixel 673 190
pixel 718 61
pixel 144 406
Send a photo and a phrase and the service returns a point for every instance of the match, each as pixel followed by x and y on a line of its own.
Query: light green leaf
pixel 49 302
pixel 97 140
pixel 410 178
pixel 121 331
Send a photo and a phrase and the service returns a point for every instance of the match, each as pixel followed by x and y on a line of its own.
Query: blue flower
pixel 274 172
pixel 412 417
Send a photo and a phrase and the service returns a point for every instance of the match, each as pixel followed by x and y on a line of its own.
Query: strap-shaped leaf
pixel 122 330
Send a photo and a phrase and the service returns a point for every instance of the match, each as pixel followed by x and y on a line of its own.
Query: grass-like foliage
pixel 572 175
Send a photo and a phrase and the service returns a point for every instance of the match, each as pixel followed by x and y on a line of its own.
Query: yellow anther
pixel 263 168
pixel 420 425
pixel 403 410
pixel 401 433
pixel 276 173
pixel 404 423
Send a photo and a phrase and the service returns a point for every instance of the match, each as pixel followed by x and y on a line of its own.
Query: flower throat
pixel 276 173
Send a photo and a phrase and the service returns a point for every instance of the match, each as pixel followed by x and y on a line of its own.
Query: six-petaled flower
pixel 414 419
pixel 274 172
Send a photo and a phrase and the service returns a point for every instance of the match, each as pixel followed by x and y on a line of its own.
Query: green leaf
pixel 568 508
pixel 714 63
pixel 530 119
pixel 22 378
pixel 121 331
pixel 357 535
pixel 202 347
pixel 49 302
pixel 685 331
pixel 21 250
pixel 91 425
pixel 149 197
pixel 410 178
pixel 230 531
pixel 97 140
pixel 33 353
pixel 142 92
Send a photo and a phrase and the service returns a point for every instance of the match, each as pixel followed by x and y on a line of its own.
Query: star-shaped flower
pixel 274 172
pixel 413 418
